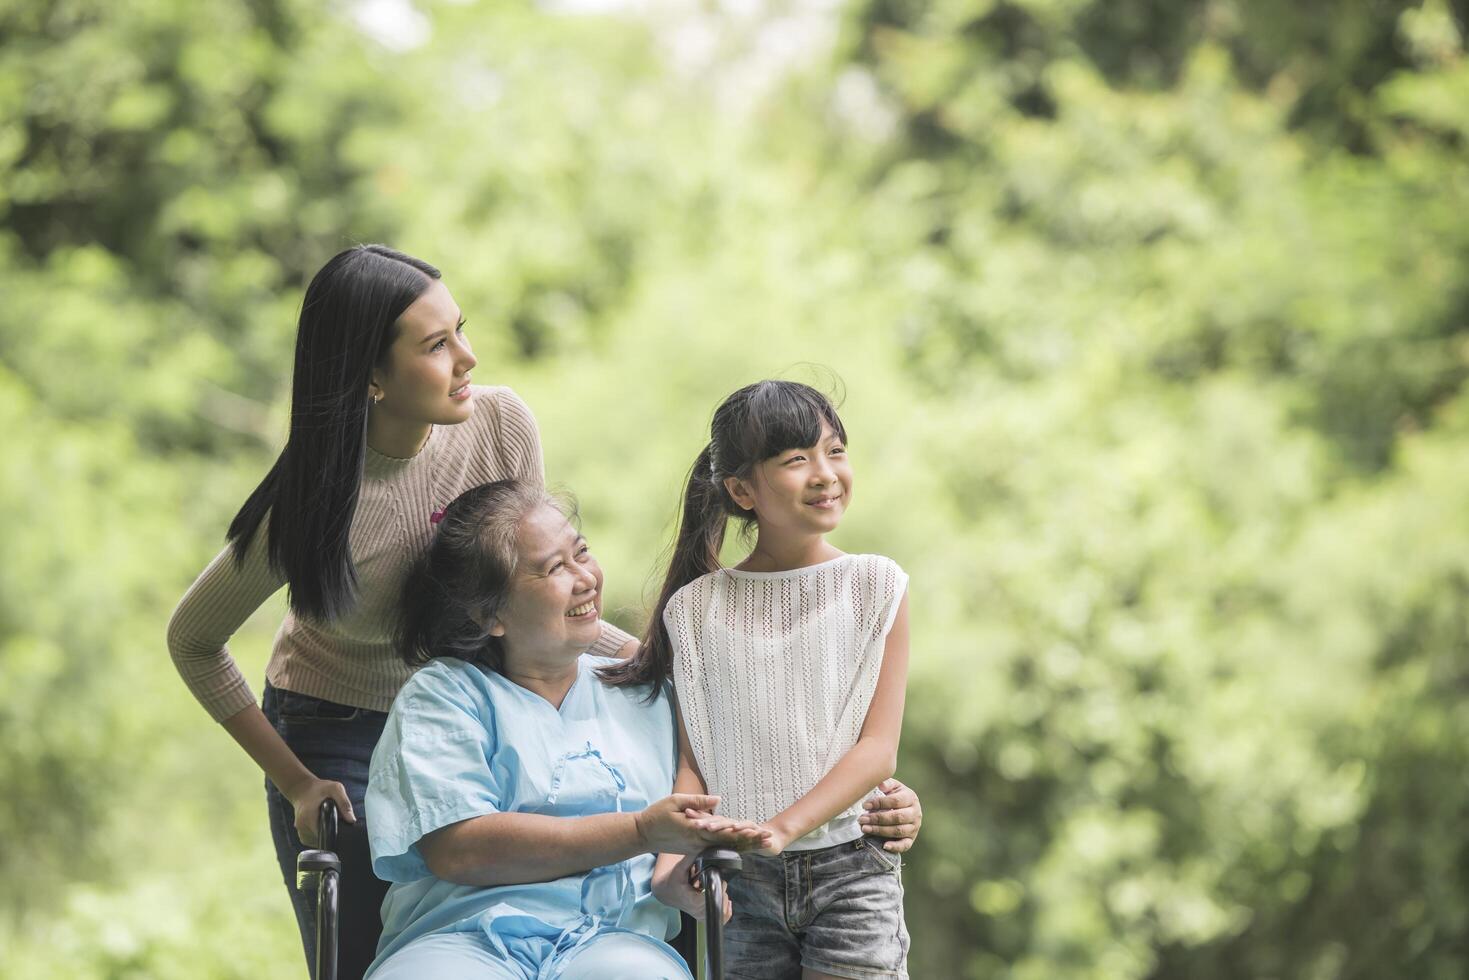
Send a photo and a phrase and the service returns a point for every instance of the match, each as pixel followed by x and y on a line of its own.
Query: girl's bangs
pixel 785 417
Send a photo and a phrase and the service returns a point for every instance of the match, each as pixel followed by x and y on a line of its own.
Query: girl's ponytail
pixel 706 507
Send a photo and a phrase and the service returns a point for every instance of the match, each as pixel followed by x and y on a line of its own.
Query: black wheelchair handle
pixel 714 867
pixel 320 867
pixel 326 825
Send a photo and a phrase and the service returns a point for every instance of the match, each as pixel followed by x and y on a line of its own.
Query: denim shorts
pixel 335 741
pixel 838 909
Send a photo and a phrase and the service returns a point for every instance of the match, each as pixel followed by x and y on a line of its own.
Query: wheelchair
pixel 320 869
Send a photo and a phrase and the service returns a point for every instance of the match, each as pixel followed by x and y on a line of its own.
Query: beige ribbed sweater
pixel 351 659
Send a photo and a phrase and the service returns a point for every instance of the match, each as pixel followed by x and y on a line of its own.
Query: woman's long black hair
pixel 310 494
pixel 755 423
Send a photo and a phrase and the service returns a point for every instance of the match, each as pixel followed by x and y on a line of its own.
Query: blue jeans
pixel 838 910
pixel 335 741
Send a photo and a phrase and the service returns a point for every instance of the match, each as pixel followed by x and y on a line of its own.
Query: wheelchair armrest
pixel 312 863
pixel 725 859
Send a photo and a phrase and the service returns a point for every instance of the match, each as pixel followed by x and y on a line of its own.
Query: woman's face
pixel 425 379
pixel 554 608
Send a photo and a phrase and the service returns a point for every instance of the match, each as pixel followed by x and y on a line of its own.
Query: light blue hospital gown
pixel 462 741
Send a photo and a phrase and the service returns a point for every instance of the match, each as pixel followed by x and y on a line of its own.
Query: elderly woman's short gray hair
pixel 460 585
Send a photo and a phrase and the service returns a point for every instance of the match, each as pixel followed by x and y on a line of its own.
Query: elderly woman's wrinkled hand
pixel 684 823
pixel 681 888
pixel 896 814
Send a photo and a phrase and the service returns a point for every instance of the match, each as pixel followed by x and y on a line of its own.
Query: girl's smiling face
pixel 798 491
pixel 553 611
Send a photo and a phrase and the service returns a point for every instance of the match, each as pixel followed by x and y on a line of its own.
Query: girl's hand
pixel 776 842
pixel 771 840
pixel 681 888
pixel 684 824
pixel 752 836
pixel 307 798
pixel 896 814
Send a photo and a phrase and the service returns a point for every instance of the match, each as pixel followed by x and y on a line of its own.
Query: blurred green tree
pixel 1152 322
pixel 169 173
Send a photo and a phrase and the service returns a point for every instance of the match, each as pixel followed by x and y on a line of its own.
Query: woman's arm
pixel 255 734
pixel 513 848
pixel 215 606
pixel 419 779
pixel 614 642
pixel 866 764
pixel 518 437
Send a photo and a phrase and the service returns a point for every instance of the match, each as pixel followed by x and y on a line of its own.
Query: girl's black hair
pixel 753 424
pixel 310 494
pixel 457 588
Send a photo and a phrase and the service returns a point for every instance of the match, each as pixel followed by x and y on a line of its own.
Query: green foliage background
pixel 1152 319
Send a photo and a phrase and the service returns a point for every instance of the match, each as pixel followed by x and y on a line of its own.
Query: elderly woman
pixel 516 802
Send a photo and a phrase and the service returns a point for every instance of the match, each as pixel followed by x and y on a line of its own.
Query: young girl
pixel 789 670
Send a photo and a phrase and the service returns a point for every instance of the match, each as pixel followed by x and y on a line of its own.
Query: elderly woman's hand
pixel 896 814
pixel 681 824
pixel 680 888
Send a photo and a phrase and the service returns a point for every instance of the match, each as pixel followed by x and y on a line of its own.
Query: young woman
pixel 790 671
pixel 386 429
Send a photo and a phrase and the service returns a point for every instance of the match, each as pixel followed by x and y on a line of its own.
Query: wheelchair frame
pixel 320 868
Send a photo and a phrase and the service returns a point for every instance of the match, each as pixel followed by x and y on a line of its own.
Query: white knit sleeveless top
pixel 774 673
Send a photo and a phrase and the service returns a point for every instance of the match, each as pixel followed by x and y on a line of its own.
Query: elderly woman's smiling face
pixel 554 608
